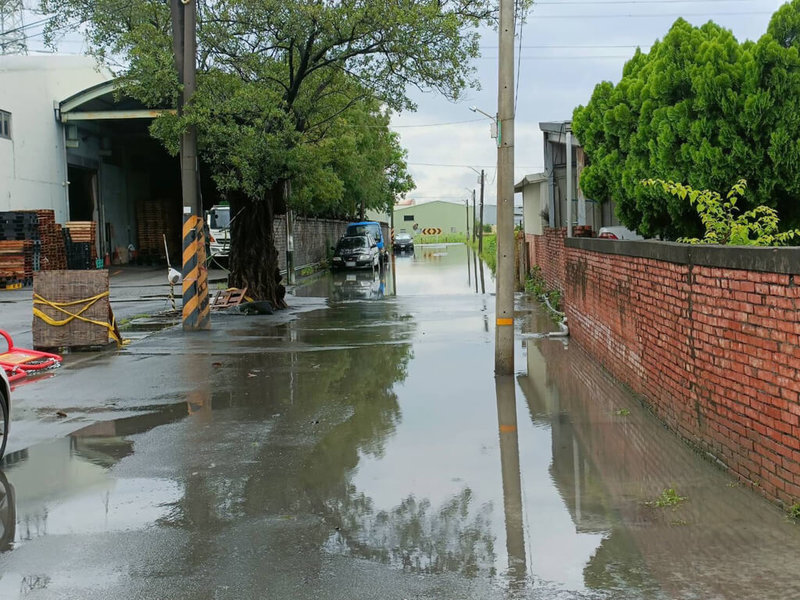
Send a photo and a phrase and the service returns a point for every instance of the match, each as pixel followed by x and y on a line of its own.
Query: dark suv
pixel 356 251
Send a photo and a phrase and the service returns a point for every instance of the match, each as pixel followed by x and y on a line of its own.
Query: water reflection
pixel 8 519
pixel 358 285
pixel 610 457
pixel 512 487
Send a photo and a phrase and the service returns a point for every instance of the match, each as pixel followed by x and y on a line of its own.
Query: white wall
pixel 534 200
pixel 32 164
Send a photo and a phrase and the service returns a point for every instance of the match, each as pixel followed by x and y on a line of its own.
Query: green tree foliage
pixel 700 107
pixel 292 90
pixel 724 222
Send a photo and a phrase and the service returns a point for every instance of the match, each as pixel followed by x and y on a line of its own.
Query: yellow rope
pixel 60 306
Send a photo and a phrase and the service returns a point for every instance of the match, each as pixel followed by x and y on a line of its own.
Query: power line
pixel 574 46
pixel 417 164
pixel 589 2
pixel 657 16
pixel 576 57
pixel 434 124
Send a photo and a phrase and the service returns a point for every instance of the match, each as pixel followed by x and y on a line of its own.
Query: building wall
pixel 32 171
pixel 534 201
pixel 313 239
pixel 449 217
pixel 709 337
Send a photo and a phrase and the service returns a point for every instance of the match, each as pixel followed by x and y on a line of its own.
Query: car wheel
pixel 4 423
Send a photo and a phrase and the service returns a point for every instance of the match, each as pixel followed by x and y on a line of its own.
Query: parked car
pixel 5 409
pixel 356 251
pixel 403 242
pixel 618 232
pixel 372 228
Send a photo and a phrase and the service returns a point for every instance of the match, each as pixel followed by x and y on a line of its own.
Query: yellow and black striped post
pixel 195 275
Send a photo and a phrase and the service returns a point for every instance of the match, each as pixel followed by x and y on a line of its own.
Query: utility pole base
pixel 195 275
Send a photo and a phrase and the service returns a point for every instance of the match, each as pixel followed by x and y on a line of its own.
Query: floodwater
pixel 364 449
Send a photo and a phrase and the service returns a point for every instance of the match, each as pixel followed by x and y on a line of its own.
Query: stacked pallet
pixel 18 226
pixel 19 247
pixel 157 218
pixel 81 248
pixel 12 263
pixel 54 253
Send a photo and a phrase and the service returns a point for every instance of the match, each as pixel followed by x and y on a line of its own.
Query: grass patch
pixel 623 412
pixel 669 497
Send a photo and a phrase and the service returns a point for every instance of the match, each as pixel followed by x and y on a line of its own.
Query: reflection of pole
pixel 475 261
pixel 480 266
pixel 469 268
pixel 512 485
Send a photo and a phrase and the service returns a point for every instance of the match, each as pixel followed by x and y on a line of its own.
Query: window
pixel 5 124
pixel 408 217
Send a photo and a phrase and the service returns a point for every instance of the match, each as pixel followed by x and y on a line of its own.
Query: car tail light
pixel 607 235
pixel 211 239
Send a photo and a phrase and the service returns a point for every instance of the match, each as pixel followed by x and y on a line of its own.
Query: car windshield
pixel 349 243
pixel 363 230
pixel 403 236
pixel 220 218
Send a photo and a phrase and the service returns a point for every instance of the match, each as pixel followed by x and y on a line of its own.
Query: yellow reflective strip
pixel 505 321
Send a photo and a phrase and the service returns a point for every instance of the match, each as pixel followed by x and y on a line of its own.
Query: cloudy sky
pixel 568 46
pixel 565 48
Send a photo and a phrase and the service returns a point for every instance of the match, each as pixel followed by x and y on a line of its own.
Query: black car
pixel 356 251
pixel 403 242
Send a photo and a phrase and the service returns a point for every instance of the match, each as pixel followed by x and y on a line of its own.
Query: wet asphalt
pixel 359 446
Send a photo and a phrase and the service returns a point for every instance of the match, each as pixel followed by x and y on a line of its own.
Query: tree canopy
pixel 703 108
pixel 296 90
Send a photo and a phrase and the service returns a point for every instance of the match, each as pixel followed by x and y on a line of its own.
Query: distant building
pixel 450 217
pixel 545 194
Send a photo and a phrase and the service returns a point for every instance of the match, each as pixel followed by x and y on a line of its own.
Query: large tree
pixel 278 80
pixel 703 109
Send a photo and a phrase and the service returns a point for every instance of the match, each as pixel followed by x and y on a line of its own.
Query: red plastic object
pixel 16 359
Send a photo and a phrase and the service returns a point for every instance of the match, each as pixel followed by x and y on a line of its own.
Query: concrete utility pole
pixel 474 223
pixel 504 313
pixel 466 206
pixel 569 179
pixel 195 273
pixel 480 234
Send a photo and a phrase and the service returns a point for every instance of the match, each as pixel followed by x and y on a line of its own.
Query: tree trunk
pixel 253 257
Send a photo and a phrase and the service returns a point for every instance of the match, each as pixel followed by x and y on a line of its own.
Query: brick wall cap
pixel 784 260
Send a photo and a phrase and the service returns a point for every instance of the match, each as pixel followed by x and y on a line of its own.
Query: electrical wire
pixel 657 16
pixel 433 124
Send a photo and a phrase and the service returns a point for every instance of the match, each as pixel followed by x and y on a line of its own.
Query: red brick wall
pixel 549 253
pixel 714 351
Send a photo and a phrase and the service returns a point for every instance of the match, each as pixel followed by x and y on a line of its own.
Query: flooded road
pixel 364 449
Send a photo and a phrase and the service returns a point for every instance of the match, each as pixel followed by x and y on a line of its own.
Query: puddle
pixel 365 450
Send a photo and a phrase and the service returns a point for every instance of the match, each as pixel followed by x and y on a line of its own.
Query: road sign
pixel 432 231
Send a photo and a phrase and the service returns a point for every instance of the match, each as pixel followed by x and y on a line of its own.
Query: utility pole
pixel 480 233
pixel 474 224
pixel 504 312
pixel 195 273
pixel 466 206
pixel 569 179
